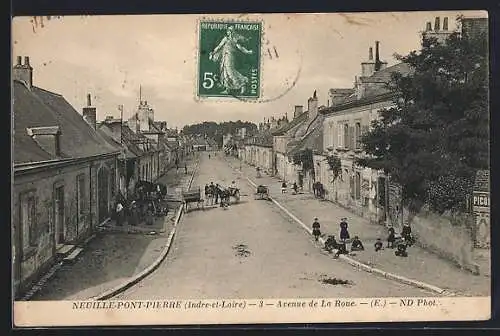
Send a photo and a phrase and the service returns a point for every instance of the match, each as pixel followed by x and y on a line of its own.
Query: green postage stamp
pixel 229 56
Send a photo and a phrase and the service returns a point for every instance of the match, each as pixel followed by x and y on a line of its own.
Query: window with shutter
pixel 346 136
pixel 340 135
pixel 351 186
pixel 357 135
pixel 351 138
pixel 28 220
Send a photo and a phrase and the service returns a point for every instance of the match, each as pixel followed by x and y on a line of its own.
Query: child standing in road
pixel 316 229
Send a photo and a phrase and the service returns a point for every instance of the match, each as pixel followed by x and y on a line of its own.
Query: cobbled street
pixel 252 250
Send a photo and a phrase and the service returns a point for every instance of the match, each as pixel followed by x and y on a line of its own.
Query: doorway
pixel 59 215
pixel 102 194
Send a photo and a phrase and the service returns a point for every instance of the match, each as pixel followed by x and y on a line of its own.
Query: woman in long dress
pixel 224 54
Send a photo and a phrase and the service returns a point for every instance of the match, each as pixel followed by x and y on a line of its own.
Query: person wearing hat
pixel 316 229
pixel 331 244
pixel 357 245
pixel 344 232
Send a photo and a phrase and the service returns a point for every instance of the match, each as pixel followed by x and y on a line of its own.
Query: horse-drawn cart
pixel 262 192
pixel 193 196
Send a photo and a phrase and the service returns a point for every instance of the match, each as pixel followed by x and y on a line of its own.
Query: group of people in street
pixel 284 187
pixel 142 206
pixel 399 242
pixel 217 194
pixel 332 244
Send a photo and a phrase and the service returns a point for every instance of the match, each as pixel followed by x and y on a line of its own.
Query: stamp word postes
pixel 229 56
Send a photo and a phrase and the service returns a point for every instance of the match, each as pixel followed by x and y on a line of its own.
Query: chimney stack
pixel 437 25
pixel 90 113
pixel 370 54
pixel 377 56
pixel 298 111
pixel 23 72
pixel 445 23
pixel 428 26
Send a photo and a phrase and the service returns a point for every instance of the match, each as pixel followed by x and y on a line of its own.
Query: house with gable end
pixel 64 177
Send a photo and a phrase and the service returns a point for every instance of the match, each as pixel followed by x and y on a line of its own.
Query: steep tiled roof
pixel 38 108
pixel 482 182
pixel 313 138
pixel 292 124
pixel 384 76
pixel 341 91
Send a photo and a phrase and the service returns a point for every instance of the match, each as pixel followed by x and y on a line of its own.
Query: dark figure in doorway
pixel 391 238
pixel 185 169
pixel 316 229
pixel 344 232
pixel 378 245
pixel 357 245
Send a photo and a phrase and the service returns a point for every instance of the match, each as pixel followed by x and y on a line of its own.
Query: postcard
pixel 250 168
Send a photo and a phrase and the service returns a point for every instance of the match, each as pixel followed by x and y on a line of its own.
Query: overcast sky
pixel 110 56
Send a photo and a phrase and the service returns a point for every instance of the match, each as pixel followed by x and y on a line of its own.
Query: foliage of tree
pixel 335 165
pixel 304 158
pixel 214 130
pixel 436 136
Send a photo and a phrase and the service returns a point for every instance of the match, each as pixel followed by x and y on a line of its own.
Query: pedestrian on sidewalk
pixel 185 168
pixel 217 193
pixel 316 229
pixel 357 245
pixel 378 245
pixel 283 187
pixel 406 233
pixel 295 187
pixel 331 244
pixel 119 214
pixel 391 239
pixel 344 232
pixel 133 214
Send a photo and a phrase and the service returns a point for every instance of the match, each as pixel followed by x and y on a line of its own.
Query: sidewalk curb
pixel 150 269
pixel 356 263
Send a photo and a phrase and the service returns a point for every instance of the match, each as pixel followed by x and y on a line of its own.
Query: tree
pixel 436 136
pixel 304 158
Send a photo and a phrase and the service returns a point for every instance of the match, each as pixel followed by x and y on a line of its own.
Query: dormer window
pixel 48 138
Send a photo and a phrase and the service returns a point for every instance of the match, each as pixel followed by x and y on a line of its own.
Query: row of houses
pixel 68 170
pixel 336 130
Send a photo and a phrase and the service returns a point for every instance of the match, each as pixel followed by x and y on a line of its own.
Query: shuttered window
pixel 340 135
pixel 351 138
pixel 346 136
pixel 357 135
pixel 28 220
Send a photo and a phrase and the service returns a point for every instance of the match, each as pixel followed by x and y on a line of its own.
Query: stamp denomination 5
pixel 229 57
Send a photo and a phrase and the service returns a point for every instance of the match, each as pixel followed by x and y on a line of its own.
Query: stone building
pixel 65 175
pixel 360 189
pixel 288 136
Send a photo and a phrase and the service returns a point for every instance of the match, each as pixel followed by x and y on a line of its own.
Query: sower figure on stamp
pixel 224 54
